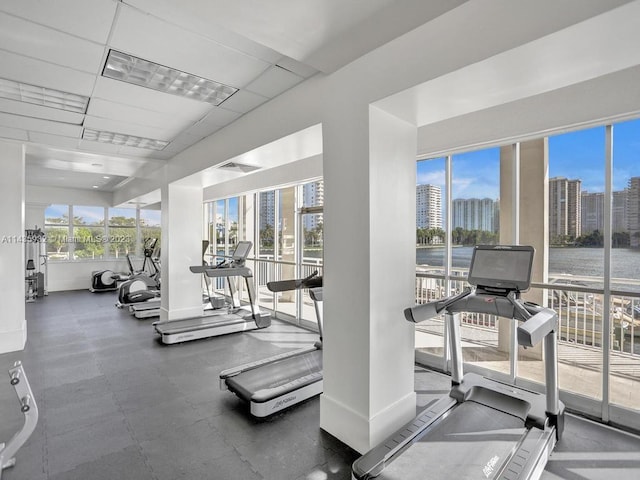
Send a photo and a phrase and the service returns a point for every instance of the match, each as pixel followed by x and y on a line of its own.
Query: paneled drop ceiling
pixel 56 52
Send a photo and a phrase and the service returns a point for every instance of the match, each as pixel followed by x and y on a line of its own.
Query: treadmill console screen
pixel 501 267
pixel 242 251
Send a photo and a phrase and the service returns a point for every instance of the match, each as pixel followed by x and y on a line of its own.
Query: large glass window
pixel 78 232
pixel 475 212
pixel 430 249
pixel 576 254
pixel 232 221
pixel 625 265
pixel 286 227
pixel 266 223
pixel 88 232
pixel 150 224
pixel 586 232
pixel 431 216
pixel 122 231
pixel 312 221
pixel 56 228
pixel 221 227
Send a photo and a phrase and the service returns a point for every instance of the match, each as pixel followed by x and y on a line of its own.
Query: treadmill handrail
pixel 425 311
pixel 228 272
pixel 536 328
pixel 311 281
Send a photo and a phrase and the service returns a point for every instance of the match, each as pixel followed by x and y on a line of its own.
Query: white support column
pixel 34 215
pixel 181 248
pixel 369 244
pixel 13 325
pixel 530 193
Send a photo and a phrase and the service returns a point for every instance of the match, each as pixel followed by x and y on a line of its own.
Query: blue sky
pixel 572 155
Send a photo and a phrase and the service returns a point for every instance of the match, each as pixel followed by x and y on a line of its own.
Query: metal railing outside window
pixel 579 311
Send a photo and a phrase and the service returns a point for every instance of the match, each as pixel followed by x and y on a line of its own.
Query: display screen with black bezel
pixel 501 266
pixel 242 250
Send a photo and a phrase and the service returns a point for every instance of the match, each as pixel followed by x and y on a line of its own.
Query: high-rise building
pixel 475 214
pixel 592 215
pixel 565 218
pixel 267 209
pixel 633 211
pixel 428 206
pixel 619 222
pixel 312 196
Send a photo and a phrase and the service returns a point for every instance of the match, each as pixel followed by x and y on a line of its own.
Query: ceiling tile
pixel 200 17
pixel 117 126
pixel 148 99
pixel 243 101
pixel 90 19
pixel 274 81
pixel 138 152
pixel 38 111
pixel 118 111
pixel 13 133
pixel 53 140
pixel 36 41
pixel 202 129
pixel 44 74
pixel 98 147
pixel 296 67
pixel 152 39
pixel 38 125
pixel 182 141
pixel 219 116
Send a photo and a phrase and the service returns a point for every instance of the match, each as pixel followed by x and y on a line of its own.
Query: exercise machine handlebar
pixel 28 407
pixel 310 281
pixel 429 310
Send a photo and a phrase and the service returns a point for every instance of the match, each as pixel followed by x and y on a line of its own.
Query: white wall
pixel 295 172
pixel 77 275
pixel 67 196
pixel 13 326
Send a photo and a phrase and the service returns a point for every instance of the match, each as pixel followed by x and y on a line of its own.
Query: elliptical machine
pixel 108 280
pixel 144 285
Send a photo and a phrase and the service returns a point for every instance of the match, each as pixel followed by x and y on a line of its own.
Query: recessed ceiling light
pixel 127 68
pixel 122 139
pixel 47 97
pixel 95 186
pixel 106 177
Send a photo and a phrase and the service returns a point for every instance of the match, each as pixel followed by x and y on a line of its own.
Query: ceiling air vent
pixel 238 167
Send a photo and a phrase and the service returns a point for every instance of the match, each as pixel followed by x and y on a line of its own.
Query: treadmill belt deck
pixel 274 374
pixel 472 442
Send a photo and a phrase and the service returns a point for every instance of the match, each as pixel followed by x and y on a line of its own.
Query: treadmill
pixel 283 380
pixel 484 428
pixel 237 318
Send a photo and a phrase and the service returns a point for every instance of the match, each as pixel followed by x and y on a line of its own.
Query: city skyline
pixel 574 155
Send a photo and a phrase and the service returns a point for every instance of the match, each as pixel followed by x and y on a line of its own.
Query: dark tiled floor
pixel 116 404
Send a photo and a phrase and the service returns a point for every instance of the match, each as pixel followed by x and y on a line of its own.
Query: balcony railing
pixel 580 309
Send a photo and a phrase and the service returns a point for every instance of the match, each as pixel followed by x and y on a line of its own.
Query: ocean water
pixel 625 262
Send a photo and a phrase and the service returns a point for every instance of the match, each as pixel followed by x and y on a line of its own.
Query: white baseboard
pixel 362 433
pixel 177 314
pixel 14 340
